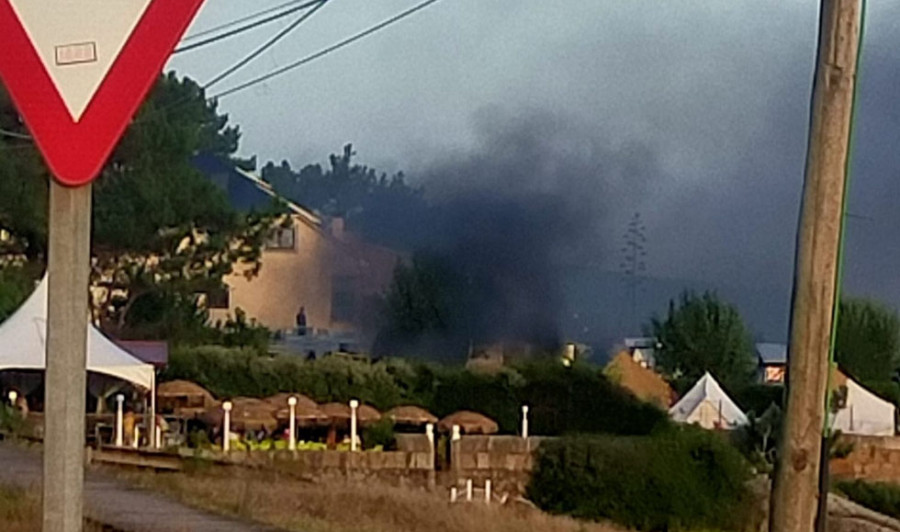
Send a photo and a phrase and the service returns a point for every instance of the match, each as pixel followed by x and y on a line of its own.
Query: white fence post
pixel 469 490
pixel 487 491
pixel 525 422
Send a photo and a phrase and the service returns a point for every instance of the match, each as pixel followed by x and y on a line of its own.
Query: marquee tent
pixel 707 405
pixel 862 412
pixel 23 345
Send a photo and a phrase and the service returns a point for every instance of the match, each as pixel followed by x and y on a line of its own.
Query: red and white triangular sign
pixel 79 69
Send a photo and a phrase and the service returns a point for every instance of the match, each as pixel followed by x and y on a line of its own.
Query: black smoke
pixel 507 222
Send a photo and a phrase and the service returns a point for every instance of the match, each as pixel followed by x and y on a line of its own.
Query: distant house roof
pixel 639 343
pixel 156 353
pixel 245 190
pixel 770 353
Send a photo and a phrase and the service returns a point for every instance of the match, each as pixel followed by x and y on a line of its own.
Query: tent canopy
pixel 707 405
pixel 864 413
pixel 23 345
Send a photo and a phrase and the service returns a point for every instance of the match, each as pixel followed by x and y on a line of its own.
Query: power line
pixel 227 25
pixel 326 51
pixel 13 134
pixel 268 44
pixel 245 28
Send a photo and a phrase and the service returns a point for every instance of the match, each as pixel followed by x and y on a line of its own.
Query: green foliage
pixel 700 334
pixel 380 435
pixel 15 287
pixel 580 399
pixel 162 232
pixel 383 208
pixel 11 421
pixel 867 345
pixel 682 479
pixel 229 372
pixel 562 400
pixel 881 497
pixel 759 397
pixel 758 440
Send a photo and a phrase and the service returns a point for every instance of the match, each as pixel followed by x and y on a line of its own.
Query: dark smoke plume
pixel 509 220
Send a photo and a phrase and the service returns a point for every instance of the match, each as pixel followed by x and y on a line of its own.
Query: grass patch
pixel 344 506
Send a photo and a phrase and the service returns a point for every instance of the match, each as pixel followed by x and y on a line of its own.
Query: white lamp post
pixel 292 424
pixel 120 428
pixel 429 433
pixel 354 442
pixel 525 422
pixel 226 426
pixel 13 395
pixel 455 435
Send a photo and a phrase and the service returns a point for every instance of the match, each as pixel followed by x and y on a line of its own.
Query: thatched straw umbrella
pixel 246 414
pixel 469 423
pixel 306 411
pixel 339 415
pixel 411 415
pixel 184 398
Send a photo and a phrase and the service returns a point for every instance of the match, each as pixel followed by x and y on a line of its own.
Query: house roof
pixel 156 353
pixel 771 353
pixel 245 190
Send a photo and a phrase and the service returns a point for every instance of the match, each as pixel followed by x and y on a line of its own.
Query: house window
pixel 218 299
pixel 281 238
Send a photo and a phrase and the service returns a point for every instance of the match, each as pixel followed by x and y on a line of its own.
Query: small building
pixel 772 362
pixel 642 350
pixel 307 263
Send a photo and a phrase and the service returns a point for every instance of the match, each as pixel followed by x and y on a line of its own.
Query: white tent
pixel 707 405
pixel 23 345
pixel 864 413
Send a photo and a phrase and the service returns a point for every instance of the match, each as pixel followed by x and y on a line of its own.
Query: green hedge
pixel 562 400
pixel 678 479
pixel 878 496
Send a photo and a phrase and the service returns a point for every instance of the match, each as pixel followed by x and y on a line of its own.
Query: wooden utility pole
pixel 795 494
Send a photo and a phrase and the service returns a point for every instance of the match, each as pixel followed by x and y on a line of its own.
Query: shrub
pixel 878 496
pixel 677 479
pixel 380 434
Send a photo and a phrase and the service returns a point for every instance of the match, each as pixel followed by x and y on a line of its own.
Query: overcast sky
pixel 705 101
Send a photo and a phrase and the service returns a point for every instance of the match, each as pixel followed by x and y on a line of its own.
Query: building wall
pixel 873 458
pixel 287 280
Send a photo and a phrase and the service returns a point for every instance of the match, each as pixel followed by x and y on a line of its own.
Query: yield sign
pixel 78 69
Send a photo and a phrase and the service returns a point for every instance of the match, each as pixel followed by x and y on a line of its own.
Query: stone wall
pixel 506 461
pixel 875 458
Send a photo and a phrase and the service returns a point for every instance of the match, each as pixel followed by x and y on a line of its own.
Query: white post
pixel 158 439
pixel 453 494
pixel 120 428
pixel 135 440
pixel 456 434
pixel 469 490
pixel 13 395
pixel 292 424
pixel 525 422
pixel 354 442
pixel 152 426
pixel 429 433
pixel 226 426
pixel 487 491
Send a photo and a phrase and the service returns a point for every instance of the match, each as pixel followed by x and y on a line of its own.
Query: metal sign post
pixel 68 267
pixel 77 73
